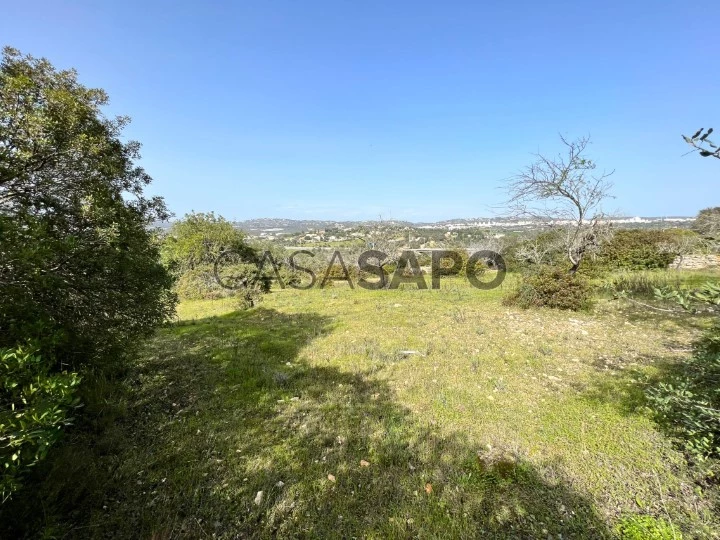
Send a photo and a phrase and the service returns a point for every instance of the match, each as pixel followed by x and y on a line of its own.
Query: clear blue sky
pixel 409 110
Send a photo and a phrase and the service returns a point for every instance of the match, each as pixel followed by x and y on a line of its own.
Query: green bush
pixel 335 272
pixel 34 407
pixel 198 239
pixel 707 223
pixel 200 283
pixel 551 287
pixel 638 249
pixel 646 528
pixel 687 402
pixel 211 259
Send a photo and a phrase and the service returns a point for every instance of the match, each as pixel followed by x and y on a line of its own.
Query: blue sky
pixel 409 110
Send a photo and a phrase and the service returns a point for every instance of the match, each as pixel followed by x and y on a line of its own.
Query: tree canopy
pixel 79 266
pixel 199 238
pixel 80 271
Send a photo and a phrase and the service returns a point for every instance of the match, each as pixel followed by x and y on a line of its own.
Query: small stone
pixel 259 497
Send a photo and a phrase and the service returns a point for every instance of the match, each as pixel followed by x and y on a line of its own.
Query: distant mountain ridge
pixel 285 225
pixel 300 225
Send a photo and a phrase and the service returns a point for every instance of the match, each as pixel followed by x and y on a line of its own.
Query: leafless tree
pixel 567 191
pixel 494 240
pixel 681 246
pixel 387 238
pixel 540 248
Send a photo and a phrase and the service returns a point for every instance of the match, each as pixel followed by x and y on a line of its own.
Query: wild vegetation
pixel 578 399
pixel 346 412
pixel 79 267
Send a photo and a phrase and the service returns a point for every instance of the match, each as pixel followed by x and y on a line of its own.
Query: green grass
pixel 499 423
pixel 643 283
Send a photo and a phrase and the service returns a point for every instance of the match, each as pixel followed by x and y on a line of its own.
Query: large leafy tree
pixel 80 273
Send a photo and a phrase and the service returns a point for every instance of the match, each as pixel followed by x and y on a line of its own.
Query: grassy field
pixel 353 413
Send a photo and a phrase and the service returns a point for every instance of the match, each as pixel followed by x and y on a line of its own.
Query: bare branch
pixel 568 191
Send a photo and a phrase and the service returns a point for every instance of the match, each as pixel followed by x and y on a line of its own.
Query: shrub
pixel 198 239
pixel 688 402
pixel 646 528
pixel 34 407
pixel 637 249
pixel 211 259
pixel 335 272
pixel 551 287
pixel 707 223
pixel 200 283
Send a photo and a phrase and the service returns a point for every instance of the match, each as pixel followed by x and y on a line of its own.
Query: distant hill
pixel 282 225
pixel 255 226
pixel 275 226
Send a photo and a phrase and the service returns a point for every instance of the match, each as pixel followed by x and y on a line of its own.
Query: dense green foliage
pixel 551 287
pixel 80 274
pixel 34 406
pixel 211 259
pixel 646 528
pixel 688 400
pixel 79 269
pixel 707 223
pixel 638 249
pixel 198 239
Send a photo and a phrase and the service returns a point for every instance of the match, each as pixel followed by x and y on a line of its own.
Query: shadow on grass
pixel 230 431
pixel 680 395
